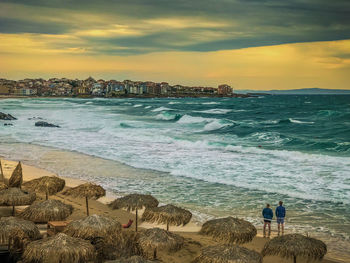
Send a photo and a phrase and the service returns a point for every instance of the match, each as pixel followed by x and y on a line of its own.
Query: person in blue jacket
pixel 280 214
pixel 268 215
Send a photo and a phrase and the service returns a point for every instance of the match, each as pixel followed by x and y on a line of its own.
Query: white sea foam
pixel 137 105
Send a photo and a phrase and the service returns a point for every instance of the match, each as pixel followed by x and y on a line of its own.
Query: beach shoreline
pixel 189 231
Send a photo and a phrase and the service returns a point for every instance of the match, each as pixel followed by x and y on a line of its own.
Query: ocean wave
pixel 125 125
pixel 137 105
pixel 328 112
pixel 161 109
pixel 290 120
pixel 188 119
pixel 210 103
pixel 147 107
pixel 215 111
pixel 173 102
pixel 267 137
pixel 215 125
pixel 298 121
pixel 166 116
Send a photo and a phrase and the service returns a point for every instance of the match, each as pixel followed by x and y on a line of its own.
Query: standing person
pixel 268 215
pixel 280 214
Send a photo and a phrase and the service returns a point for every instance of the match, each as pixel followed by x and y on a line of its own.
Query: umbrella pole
pixel 47 196
pixel 136 219
pixel 155 253
pixel 167 226
pixel 295 259
pixel 13 210
pixel 87 205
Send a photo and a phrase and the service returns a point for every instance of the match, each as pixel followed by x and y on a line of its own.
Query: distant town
pixel 64 87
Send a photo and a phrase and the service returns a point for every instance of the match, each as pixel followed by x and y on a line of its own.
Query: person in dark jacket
pixel 268 215
pixel 280 214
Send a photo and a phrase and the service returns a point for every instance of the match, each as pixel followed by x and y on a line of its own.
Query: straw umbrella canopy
pixel 59 248
pixel 168 214
pixel 49 185
pixel 48 210
pixel 15 196
pixel 87 190
pixel 229 230
pixel 134 202
pixel 154 239
pixel 1 172
pixel 295 245
pixel 228 254
pixel 16 178
pixel 10 224
pixel 94 226
pixel 3 186
pixel 133 259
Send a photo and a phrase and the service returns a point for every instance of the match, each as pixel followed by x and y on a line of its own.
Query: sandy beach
pixel 193 241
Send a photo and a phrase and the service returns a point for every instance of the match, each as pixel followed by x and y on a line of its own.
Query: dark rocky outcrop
pixel 7 117
pixel 46 124
pixel 8 124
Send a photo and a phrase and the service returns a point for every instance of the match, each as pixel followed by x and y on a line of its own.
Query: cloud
pixel 142 26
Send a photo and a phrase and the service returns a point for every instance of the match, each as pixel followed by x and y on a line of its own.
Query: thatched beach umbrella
pixel 1 173
pixel 3 186
pixel 59 248
pixel 94 226
pixel 10 224
pixel 48 210
pixel 228 254
pixel 134 202
pixel 229 230
pixel 87 190
pixel 155 239
pixel 16 178
pixel 49 185
pixel 168 214
pixel 15 196
pixel 133 259
pixel 295 245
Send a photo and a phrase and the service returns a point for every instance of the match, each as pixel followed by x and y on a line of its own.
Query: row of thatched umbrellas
pixel 74 245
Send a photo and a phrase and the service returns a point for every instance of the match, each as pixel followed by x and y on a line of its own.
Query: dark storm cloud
pixel 11 25
pixel 242 23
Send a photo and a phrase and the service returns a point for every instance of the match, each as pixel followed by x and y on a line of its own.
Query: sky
pixel 248 44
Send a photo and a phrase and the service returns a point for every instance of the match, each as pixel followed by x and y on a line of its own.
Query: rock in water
pixel 7 117
pixel 45 124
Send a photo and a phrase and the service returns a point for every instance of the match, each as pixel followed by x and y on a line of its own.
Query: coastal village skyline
pixel 106 88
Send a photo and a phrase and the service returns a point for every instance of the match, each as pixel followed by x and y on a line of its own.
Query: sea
pixel 214 156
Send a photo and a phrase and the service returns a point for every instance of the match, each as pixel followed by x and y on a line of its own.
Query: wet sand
pixel 193 241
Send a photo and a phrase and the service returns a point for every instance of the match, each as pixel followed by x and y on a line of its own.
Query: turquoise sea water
pixel 216 156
